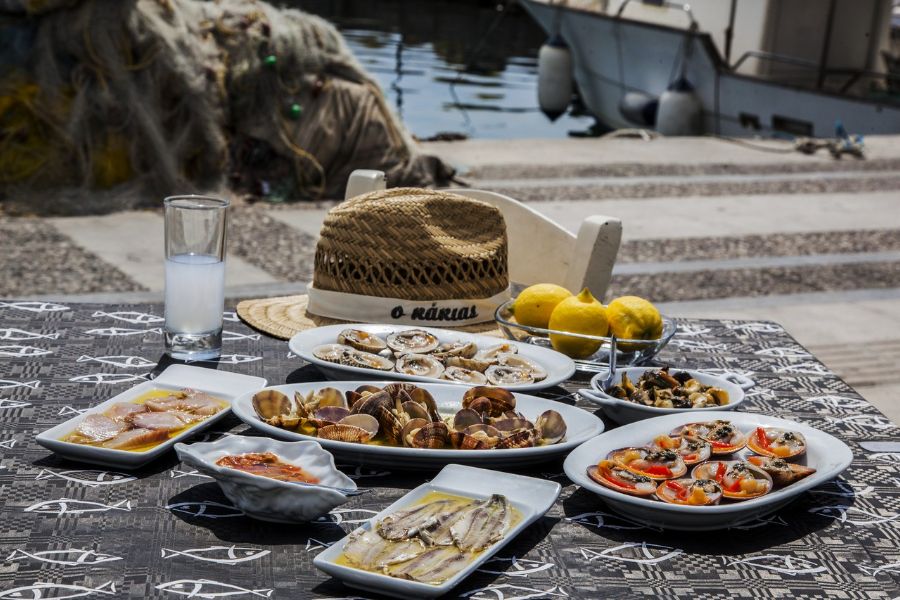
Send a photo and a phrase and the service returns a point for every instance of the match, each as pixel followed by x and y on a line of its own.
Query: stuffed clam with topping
pixel 418 352
pixel 403 414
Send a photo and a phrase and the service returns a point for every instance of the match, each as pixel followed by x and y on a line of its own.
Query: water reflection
pixel 450 66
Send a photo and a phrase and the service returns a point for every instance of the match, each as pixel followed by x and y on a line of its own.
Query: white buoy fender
pixel 554 77
pixel 680 111
pixel 639 108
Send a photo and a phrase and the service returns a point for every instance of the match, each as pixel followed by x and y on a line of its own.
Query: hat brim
pixel 286 316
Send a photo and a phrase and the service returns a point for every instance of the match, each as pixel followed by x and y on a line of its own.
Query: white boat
pixel 801 66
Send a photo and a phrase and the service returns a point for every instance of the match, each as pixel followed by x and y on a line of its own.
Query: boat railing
pixel 853 75
pixel 686 8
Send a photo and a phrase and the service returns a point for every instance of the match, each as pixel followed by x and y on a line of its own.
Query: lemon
pixel 533 306
pixel 633 318
pixel 578 314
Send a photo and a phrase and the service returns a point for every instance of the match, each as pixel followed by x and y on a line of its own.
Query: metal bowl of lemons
pixel 581 327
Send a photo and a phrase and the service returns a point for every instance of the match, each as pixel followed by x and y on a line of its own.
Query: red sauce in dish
pixel 266 464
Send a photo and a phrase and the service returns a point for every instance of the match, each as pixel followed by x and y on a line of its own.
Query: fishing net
pixel 143 98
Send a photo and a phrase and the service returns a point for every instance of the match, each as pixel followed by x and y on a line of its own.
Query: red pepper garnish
pixel 690 457
pixel 680 491
pixel 734 487
pixel 716 444
pixel 720 472
pixel 608 475
pixel 660 470
pixel 761 438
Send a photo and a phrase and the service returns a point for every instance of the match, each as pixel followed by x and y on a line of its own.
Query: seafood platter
pixel 430 355
pixel 428 541
pixel 270 480
pixel 414 425
pixel 643 392
pixel 140 424
pixel 679 472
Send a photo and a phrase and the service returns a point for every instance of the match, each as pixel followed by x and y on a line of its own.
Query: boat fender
pixel 554 77
pixel 680 111
pixel 639 108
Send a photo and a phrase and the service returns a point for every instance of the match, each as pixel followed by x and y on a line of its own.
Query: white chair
pixel 540 250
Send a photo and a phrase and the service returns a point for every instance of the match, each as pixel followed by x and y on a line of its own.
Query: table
pixel 154 531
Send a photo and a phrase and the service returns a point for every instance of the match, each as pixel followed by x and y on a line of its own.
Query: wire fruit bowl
pixel 636 352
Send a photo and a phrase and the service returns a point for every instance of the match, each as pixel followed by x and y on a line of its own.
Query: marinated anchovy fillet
pixel 407 523
pixel 483 526
pixel 434 566
pixel 371 551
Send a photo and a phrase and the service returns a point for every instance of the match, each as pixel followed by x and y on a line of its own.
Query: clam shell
pixel 551 427
pixel 410 429
pixel 417 341
pixel 707 470
pixel 366 422
pixel 327 396
pixel 792 450
pixel 344 432
pixel 666 494
pixel 536 371
pixel 271 403
pixel 523 438
pixel 432 435
pixel 329 415
pixel 466 417
pixel 464 375
pixel 501 400
pixel 331 352
pixel 475 437
pixel 506 375
pixel 461 349
pixel 366 360
pixel 420 365
pixel 492 353
pixel 472 364
pixel 414 410
pixel 361 340
pixel 600 476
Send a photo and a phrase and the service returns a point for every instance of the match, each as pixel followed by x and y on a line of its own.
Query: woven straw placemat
pixel 286 316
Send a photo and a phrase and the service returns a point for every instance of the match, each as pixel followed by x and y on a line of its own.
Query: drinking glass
pixel 195 276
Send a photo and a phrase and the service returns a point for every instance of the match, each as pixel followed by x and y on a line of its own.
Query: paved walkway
pixel 711 229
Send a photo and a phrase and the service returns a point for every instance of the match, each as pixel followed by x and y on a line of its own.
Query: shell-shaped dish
pixel 776 442
pixel 655 464
pixel 740 480
pixel 269 499
pixel 690 492
pixel 608 474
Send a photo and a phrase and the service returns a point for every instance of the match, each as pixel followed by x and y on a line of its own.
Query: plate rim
pixel 420 454
pixel 575 471
pixel 550 381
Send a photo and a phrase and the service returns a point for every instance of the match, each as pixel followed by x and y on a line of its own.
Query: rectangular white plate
pixel 824 452
pixel 531 497
pixel 580 426
pixel 222 384
pixel 559 367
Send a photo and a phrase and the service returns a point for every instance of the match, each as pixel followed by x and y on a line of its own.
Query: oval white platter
pixel 825 453
pixel 558 366
pixel 581 426
pixel 625 411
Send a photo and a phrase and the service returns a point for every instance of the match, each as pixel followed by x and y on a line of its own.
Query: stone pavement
pixel 711 229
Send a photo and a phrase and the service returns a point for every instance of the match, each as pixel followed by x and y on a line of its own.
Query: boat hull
pixel 614 56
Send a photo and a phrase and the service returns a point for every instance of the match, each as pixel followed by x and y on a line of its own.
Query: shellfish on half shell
pixel 464 375
pixel 608 474
pixel 330 352
pixel 493 353
pixel 500 375
pixel 518 361
pixel 461 349
pixel 472 364
pixel 366 360
pixel 417 341
pixel 361 340
pixel 420 365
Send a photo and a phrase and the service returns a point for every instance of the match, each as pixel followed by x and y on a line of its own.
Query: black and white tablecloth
pixel 68 530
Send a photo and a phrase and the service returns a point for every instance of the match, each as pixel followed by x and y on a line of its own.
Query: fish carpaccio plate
pixel 824 452
pixel 580 427
pixel 221 384
pixel 559 367
pixel 531 497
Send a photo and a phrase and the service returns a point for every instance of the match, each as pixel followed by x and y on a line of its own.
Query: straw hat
pixel 404 255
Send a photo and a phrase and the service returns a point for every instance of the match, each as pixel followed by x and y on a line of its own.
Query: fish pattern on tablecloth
pixel 166 531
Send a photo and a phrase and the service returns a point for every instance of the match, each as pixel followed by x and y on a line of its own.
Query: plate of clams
pixel 402 424
pixel 704 471
pixel 429 354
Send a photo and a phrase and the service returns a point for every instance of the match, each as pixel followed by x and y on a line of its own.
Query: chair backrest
pixel 540 250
